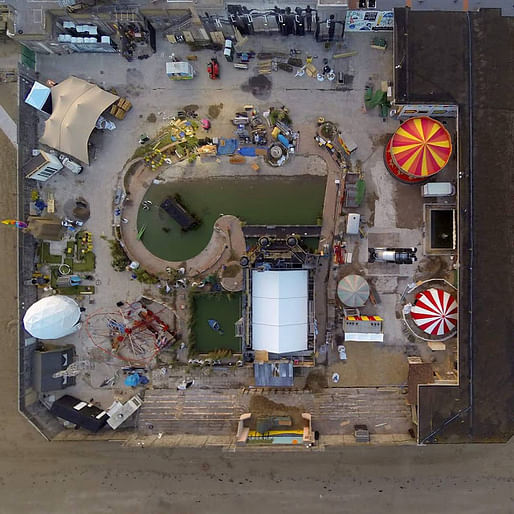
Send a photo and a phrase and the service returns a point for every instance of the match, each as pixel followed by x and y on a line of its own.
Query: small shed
pixel 273 374
pixel 47 362
pixel 83 414
pixel 41 167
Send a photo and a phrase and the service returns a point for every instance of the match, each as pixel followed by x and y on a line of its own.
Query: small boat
pixel 215 326
pixel 141 232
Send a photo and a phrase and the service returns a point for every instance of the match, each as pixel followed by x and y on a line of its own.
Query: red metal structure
pixel 134 335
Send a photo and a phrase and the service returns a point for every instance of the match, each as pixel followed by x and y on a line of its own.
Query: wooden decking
pixel 217 411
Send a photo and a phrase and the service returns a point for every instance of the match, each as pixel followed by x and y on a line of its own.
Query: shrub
pixel 220 354
pixel 145 277
pixel 119 258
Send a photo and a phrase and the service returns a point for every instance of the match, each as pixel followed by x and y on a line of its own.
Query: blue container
pixel 284 140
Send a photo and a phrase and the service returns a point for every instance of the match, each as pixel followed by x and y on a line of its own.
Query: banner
pixel 360 21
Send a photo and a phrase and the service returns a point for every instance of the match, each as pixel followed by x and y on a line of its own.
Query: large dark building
pixel 466 59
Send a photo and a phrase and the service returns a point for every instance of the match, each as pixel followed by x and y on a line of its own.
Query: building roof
pixel 430 56
pixel 81 413
pixel 46 363
pixel 492 227
pixel 273 374
pixel 279 310
pixel 419 373
pixel 77 105
pixel 46 229
pixel 480 408
pixel 35 163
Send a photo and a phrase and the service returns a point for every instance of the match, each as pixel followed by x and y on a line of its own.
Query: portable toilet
pixel 353 223
pixel 228 51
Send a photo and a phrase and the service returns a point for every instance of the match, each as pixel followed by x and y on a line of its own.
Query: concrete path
pixel 9 127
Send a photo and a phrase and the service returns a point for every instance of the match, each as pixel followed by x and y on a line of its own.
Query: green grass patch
pixel 45 255
pixel 87 263
pixel 226 309
pixel 75 290
pixel 68 290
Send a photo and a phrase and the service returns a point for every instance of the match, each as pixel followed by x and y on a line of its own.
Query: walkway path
pixel 323 311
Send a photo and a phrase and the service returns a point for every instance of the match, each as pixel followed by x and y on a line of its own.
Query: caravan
pixel 438 189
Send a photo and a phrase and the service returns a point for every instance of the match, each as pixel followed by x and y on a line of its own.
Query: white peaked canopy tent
pixel 77 105
pixel 52 317
pixel 280 310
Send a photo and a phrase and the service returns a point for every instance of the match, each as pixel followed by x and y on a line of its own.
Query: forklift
pixel 213 69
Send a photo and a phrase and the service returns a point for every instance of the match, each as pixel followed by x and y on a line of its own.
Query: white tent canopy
pixel 52 317
pixel 280 310
pixel 77 105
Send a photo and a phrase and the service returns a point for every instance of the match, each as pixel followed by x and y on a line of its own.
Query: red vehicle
pixel 213 68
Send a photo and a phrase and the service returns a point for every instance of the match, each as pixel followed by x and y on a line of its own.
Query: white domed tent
pixel 52 317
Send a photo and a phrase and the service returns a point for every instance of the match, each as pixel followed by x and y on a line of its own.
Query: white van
pixel 438 189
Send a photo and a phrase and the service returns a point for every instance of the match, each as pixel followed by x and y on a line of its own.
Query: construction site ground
pixel 145 84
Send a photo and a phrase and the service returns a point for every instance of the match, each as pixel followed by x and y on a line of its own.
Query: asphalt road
pixel 104 478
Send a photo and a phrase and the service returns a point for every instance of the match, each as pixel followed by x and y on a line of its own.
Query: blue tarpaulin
pixel 248 151
pixel 284 140
pixel 133 380
pixel 227 146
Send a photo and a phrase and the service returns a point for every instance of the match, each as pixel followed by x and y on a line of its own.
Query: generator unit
pixel 396 255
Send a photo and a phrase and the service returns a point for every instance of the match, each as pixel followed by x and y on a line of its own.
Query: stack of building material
pixel 120 108
pixel 264 67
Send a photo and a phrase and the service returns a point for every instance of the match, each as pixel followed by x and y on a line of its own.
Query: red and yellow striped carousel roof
pixel 421 147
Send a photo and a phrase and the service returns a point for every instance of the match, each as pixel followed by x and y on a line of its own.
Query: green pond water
pixel 226 310
pixel 255 200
